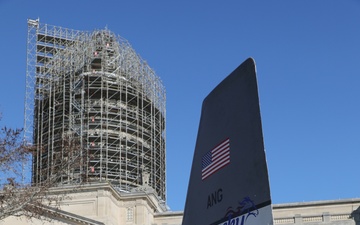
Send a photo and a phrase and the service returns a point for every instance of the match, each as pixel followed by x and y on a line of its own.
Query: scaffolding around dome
pixel 92 87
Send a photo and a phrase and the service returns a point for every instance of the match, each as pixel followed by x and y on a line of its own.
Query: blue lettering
pixel 235 221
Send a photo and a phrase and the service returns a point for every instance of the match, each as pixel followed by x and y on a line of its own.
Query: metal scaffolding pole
pixel 95 89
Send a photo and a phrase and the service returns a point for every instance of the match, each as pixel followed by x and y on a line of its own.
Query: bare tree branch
pixel 18 198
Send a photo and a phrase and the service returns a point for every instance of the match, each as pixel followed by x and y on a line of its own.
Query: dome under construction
pixel 91 98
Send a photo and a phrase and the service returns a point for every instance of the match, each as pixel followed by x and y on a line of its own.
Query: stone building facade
pixel 101 203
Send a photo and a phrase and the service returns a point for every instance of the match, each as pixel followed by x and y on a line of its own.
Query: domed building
pixel 93 92
pixel 93 102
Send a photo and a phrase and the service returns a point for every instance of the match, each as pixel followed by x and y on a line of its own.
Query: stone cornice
pixel 149 196
pixel 316 203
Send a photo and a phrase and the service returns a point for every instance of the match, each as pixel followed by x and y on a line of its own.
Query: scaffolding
pixel 94 88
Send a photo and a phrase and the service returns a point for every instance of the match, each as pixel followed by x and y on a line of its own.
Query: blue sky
pixel 307 55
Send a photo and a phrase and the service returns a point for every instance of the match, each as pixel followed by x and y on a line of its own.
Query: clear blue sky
pixel 308 63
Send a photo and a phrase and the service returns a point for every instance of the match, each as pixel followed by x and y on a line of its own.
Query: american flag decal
pixel 215 159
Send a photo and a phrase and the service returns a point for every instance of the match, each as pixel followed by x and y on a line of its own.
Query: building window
pixel 129 214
